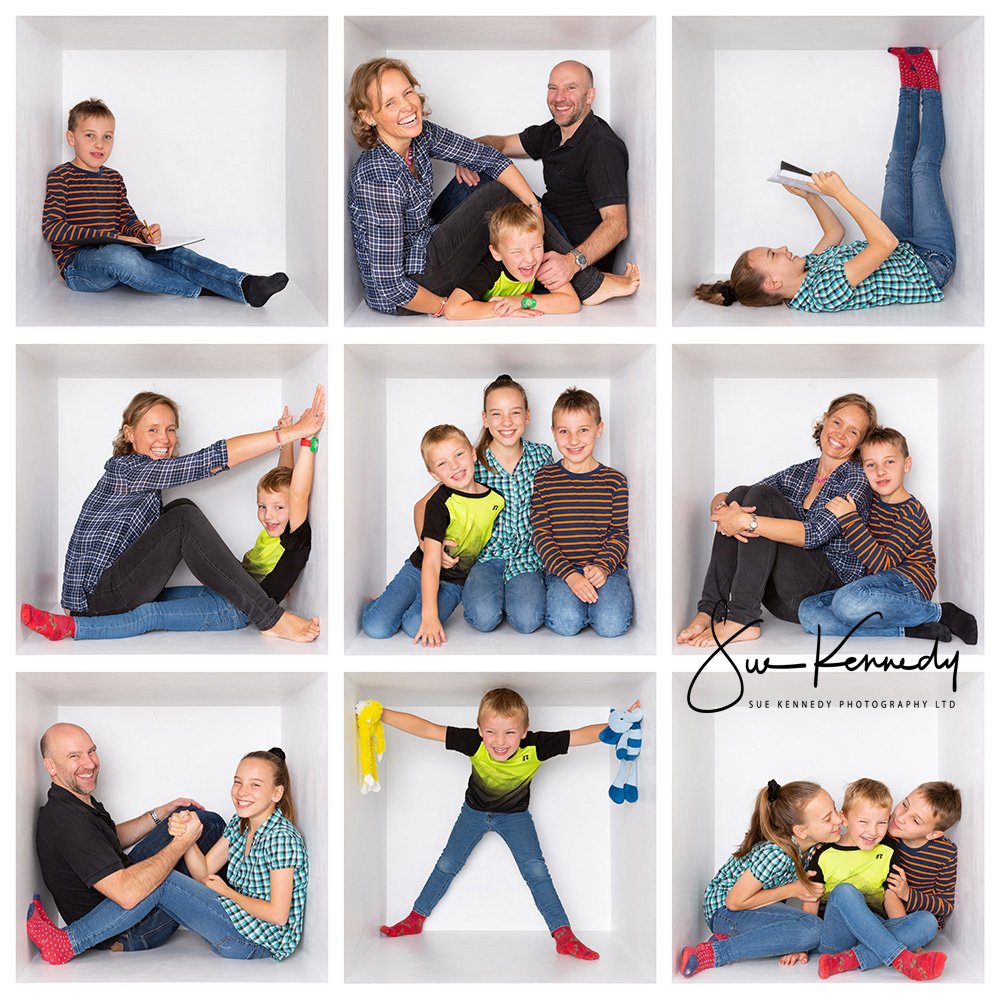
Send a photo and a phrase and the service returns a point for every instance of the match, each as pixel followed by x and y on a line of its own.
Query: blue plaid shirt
pixel 822 527
pixel 123 504
pixel 276 845
pixel 902 277
pixel 511 538
pixel 389 209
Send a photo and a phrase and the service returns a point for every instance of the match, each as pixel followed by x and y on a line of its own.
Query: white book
pixel 793 176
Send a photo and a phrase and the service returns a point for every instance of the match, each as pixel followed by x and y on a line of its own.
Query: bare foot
pixel 615 286
pixel 699 623
pixel 726 631
pixel 293 627
pixel 796 958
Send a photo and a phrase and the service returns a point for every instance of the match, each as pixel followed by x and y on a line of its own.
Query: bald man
pixel 82 850
pixel 584 165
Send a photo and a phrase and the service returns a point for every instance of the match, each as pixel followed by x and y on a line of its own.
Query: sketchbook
pixel 100 241
pixel 793 176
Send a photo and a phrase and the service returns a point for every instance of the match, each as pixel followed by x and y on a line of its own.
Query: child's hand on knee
pixel 595 575
pixel 582 588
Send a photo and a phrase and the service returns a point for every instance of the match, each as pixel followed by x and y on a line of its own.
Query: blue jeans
pixel 850 925
pixel 913 204
pixel 518 832
pixel 400 605
pixel 892 594
pixel 177 609
pixel 486 598
pixel 772 930
pixel 170 272
pixel 610 616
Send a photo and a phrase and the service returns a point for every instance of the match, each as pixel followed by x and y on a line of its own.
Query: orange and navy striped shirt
pixel 931 873
pixel 579 519
pixel 897 536
pixel 83 205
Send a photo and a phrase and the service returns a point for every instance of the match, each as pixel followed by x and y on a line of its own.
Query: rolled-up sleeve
pixel 140 473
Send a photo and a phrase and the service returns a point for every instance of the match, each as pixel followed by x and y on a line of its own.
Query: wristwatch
pixel 753 523
pixel 580 258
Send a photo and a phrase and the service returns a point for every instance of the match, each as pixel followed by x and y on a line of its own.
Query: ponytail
pixel 777 810
pixel 745 285
pixel 485 437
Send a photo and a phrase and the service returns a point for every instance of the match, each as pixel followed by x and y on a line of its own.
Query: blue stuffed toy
pixel 624 730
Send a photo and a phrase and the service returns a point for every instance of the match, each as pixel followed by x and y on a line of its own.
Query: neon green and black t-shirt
pixel 503 786
pixel 489 278
pixel 867 871
pixel 276 563
pixel 465 518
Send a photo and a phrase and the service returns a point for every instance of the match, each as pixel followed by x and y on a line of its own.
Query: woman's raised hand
pixel 829 182
pixel 312 419
pixel 798 192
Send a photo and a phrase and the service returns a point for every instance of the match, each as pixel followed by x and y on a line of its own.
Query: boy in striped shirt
pixel 894 545
pixel 579 515
pixel 89 223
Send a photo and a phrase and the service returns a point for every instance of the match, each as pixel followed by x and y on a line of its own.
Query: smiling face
pixel 71 760
pixel 154 434
pixel 273 511
pixel 502 734
pixel 576 433
pixel 254 792
pixel 92 140
pixel 398 114
pixel 913 821
pixel 866 825
pixel 885 468
pixel 570 94
pixel 452 462
pixel 842 432
pixel 779 266
pixel 506 416
pixel 820 821
pixel 521 252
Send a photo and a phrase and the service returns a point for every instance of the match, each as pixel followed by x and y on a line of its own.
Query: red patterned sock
pixel 54 627
pixel 830 965
pixel 697 959
pixel 718 937
pixel 928 965
pixel 412 924
pixel 52 942
pixel 908 76
pixel 567 943
pixel 923 61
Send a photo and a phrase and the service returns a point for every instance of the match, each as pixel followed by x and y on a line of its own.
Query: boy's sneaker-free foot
pixel 930 630
pixel 567 943
pixel 697 959
pixel 960 623
pixel 843 961
pixel 920 968
pixel 412 924
pixel 257 289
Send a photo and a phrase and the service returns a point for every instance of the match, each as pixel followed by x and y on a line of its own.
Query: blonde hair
pixel 866 792
pixel 504 702
pixel 513 216
pixel 140 404
pixel 573 400
pixel 277 480
pixel 357 95
pixel 848 399
pixel 93 107
pixel 439 433
pixel 774 819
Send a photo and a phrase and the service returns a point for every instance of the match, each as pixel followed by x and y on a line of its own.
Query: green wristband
pixel 528 302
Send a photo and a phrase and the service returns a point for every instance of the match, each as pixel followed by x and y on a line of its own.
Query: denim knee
pixel 534 870
pixel 565 620
pixel 116 258
pixel 482 612
pixel 377 626
pixel 840 893
pixel 449 866
pixel 855 601
pixel 526 622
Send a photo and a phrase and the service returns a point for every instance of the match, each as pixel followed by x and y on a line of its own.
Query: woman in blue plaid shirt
pixel 775 542
pixel 908 251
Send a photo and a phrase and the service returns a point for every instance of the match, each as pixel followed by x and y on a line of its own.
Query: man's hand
pixel 595 575
pixel 839 506
pixel 898 884
pixel 191 830
pixel 179 803
pixel 217 884
pixel 557 269
pixel 177 823
pixel 582 588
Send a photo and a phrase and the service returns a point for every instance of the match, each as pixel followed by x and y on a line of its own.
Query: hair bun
pixel 278 752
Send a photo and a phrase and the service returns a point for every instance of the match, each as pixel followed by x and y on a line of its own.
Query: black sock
pixel 257 289
pixel 208 291
pixel 932 630
pixel 960 622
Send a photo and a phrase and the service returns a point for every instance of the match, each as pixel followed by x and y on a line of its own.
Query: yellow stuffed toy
pixel 371 743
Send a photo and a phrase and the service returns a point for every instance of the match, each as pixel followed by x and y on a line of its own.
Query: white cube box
pixel 602 857
pixel 70 401
pixel 901 730
pixel 820 92
pixel 136 720
pixel 221 133
pixel 448 55
pixel 393 393
pixel 772 395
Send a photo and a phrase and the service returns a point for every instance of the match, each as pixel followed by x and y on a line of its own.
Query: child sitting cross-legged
pixel 858 911
pixel 894 545
pixel 503 282
pixel 921 881
pixel 504 757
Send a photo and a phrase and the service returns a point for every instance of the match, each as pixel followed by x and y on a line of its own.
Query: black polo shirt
pixel 586 174
pixel 77 846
